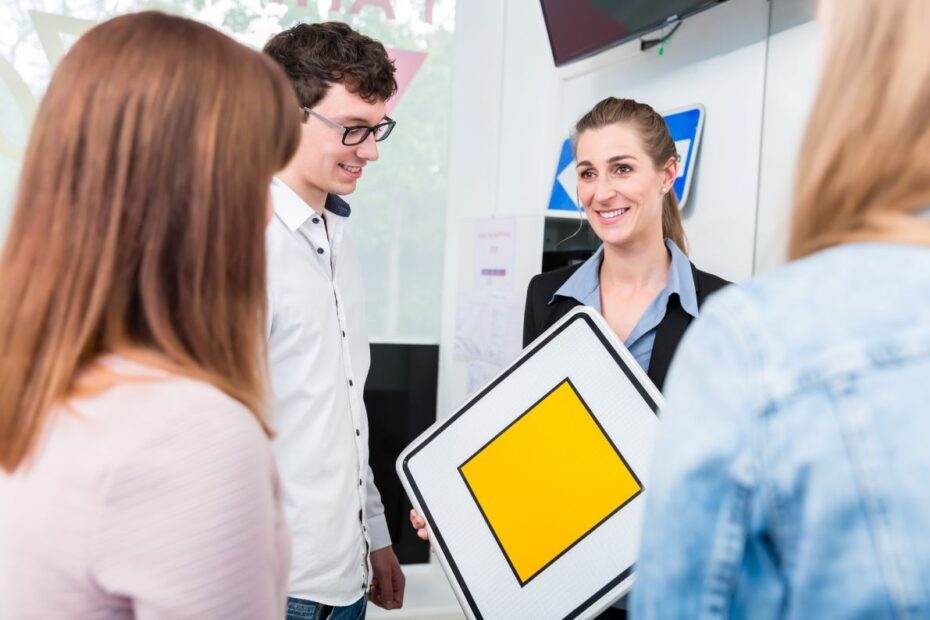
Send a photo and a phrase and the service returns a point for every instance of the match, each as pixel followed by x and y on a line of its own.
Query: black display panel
pixel 580 28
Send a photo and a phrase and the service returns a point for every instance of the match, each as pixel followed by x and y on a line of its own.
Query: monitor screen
pixel 579 28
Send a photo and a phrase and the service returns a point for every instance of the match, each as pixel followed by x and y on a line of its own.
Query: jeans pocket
pixel 298 609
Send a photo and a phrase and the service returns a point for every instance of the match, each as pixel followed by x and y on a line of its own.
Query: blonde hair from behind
pixel 657 142
pixel 139 221
pixel 864 164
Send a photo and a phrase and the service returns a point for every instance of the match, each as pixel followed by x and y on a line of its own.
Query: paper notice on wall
pixel 488 327
pixel 489 313
pixel 494 254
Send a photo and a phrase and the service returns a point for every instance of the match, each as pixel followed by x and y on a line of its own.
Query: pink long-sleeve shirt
pixel 155 499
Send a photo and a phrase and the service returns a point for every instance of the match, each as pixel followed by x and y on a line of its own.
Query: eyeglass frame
pixel 388 122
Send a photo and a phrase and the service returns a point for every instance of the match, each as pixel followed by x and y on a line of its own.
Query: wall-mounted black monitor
pixel 579 28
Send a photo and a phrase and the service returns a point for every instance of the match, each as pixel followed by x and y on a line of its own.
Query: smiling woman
pixel 640 279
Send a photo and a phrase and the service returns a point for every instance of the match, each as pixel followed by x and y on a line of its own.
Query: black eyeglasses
pixel 352 136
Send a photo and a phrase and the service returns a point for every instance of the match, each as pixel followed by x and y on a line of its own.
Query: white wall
pixel 791 80
pixel 503 149
pixel 512 108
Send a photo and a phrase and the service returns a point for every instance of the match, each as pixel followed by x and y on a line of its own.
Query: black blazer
pixel 540 315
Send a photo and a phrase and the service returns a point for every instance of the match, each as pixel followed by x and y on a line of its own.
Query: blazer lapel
pixel 668 335
pixel 559 308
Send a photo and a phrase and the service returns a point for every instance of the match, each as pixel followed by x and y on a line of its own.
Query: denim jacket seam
pixel 739 310
pixel 835 371
pixel 893 560
pixel 847 361
pixel 762 349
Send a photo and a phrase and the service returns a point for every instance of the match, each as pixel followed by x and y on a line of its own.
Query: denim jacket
pixel 792 468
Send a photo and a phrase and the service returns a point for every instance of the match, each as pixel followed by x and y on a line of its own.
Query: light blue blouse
pixel 584 286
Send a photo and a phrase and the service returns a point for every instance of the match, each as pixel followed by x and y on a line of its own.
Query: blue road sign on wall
pixel 685 125
pixel 563 196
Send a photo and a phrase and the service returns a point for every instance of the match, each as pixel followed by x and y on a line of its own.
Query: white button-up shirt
pixel 319 358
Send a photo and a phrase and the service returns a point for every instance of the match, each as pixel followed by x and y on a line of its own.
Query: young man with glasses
pixel 318 343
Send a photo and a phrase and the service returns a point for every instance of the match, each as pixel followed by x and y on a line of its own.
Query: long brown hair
pixel 657 142
pixel 864 165
pixel 140 216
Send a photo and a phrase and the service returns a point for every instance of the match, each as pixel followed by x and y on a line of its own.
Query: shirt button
pixel 350 383
pixel 316 220
pixel 343 333
pixel 319 250
pixel 358 433
pixel 359 482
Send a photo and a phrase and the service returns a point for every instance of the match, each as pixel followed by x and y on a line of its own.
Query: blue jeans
pixel 298 609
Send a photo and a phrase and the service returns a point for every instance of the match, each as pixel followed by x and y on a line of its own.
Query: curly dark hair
pixel 317 55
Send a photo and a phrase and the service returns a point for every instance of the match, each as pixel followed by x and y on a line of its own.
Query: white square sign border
pixel 637 378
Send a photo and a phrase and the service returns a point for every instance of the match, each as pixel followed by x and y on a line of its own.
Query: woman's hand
pixel 419 524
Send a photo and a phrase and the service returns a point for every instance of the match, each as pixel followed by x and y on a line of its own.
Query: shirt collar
pixel 293 211
pixel 335 204
pixel 681 279
pixel 584 285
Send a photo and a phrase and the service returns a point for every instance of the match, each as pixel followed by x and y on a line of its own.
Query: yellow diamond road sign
pixel 533 490
pixel 548 480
